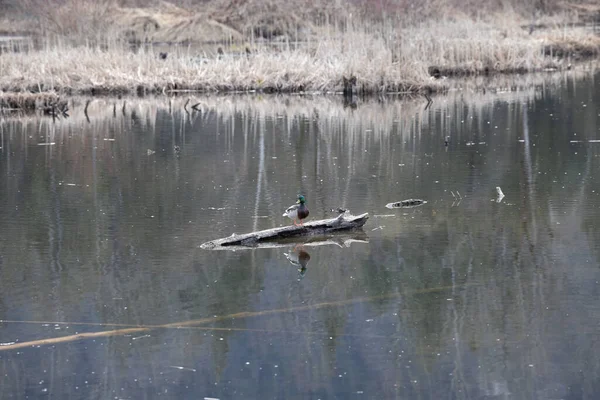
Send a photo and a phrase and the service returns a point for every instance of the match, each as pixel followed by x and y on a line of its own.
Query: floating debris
pixel 183 368
pixel 150 152
pixel 410 203
pixel 109 139
pixel 339 210
pixel 473 143
pixel 500 194
pixel 46 144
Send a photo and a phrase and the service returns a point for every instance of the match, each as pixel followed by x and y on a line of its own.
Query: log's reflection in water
pixel 342 239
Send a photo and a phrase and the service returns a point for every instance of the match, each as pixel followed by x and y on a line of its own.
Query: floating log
pixel 342 222
pixel 410 203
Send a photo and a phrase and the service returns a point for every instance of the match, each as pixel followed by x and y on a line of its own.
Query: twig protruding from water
pixel 429 101
pixel 87 103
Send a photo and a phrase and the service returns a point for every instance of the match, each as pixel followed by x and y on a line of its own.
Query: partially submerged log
pixel 410 203
pixel 342 222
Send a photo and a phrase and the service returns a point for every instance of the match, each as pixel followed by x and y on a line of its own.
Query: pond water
pixel 469 296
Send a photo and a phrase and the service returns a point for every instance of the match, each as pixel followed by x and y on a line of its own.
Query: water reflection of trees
pixel 124 234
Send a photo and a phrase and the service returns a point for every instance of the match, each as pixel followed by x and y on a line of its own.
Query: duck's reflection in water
pixel 299 258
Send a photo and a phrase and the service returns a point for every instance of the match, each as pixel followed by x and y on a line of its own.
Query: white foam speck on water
pixel 182 368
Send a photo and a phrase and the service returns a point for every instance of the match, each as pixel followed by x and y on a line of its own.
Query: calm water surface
pixel 467 297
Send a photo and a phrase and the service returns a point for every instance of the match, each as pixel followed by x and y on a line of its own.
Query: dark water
pixel 465 297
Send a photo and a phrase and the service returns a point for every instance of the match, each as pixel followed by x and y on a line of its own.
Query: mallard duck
pixel 298 211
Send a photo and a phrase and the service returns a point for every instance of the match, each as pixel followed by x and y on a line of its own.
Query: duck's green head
pixel 301 199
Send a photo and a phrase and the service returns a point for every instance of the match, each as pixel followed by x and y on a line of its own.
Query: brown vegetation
pixel 304 46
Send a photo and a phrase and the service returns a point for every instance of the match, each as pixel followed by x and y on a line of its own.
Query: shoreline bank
pixel 476 92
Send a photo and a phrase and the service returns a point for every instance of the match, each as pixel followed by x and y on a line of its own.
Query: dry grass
pixel 400 62
pixel 317 68
pixel 388 55
pixel 576 43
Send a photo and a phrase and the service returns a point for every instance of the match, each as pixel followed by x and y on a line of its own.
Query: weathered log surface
pixel 342 222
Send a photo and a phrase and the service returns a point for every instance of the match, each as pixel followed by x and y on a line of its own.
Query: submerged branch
pixel 184 324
